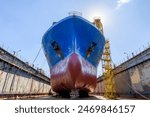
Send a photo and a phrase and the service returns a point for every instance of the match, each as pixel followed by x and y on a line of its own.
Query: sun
pixel 103 15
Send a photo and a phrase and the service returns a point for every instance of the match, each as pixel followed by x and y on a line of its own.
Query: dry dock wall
pixel 132 78
pixel 19 78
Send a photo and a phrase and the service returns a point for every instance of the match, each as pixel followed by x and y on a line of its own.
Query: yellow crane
pixel 109 91
pixel 97 22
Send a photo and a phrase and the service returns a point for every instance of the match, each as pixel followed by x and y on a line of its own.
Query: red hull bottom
pixel 73 73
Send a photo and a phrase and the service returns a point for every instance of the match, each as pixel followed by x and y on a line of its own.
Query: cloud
pixel 122 2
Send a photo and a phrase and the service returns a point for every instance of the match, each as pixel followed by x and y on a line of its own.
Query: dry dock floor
pixel 91 97
pixel 52 97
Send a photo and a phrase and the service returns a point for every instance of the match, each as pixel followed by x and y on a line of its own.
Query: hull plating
pixel 72 73
pixel 73 48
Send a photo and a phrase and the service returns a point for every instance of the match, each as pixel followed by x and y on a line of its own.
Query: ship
pixel 73 48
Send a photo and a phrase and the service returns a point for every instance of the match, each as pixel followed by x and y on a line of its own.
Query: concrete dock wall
pixel 131 77
pixel 19 78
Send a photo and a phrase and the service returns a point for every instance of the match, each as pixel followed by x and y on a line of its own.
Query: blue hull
pixel 73 34
pixel 73 48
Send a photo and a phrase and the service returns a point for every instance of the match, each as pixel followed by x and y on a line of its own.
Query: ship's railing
pixel 75 13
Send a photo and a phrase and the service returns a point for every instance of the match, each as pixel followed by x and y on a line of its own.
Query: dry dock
pixel 19 80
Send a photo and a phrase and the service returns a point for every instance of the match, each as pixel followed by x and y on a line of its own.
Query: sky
pixel 23 22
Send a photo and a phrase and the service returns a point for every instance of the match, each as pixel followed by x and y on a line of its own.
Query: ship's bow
pixel 73 73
